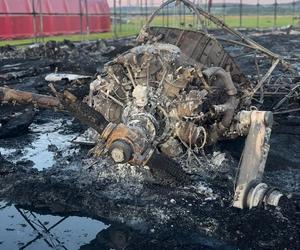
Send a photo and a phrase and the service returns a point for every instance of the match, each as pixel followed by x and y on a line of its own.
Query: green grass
pixel 232 21
pixel 133 27
pixel 264 21
pixel 106 35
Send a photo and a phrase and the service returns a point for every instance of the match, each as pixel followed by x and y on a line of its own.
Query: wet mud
pixel 44 177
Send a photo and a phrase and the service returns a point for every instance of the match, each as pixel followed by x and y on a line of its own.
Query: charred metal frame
pixel 244 40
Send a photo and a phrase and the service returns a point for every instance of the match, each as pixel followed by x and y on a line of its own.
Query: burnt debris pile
pixel 150 134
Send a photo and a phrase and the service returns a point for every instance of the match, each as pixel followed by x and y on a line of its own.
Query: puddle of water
pixel 23 229
pixel 38 150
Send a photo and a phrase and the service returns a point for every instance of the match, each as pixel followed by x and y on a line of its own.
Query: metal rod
pixel 115 19
pixel 275 13
pixel 286 111
pixel 241 12
pixel 41 21
pixel 257 14
pixel 81 21
pixel 120 16
pixel 224 10
pixel 87 19
pixel 262 81
pixel 294 12
pixel 34 20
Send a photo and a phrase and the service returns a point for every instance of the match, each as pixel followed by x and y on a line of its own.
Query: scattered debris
pixel 162 112
pixel 161 101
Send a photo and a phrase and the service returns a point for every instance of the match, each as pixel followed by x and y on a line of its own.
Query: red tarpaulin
pixel 29 18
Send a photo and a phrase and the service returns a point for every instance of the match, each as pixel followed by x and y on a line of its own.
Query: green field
pixel 232 21
pixel 133 26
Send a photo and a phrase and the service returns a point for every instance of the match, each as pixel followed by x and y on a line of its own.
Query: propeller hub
pixel 120 151
pixel 128 144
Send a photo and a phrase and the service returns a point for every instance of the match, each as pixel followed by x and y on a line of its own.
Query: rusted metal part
pixel 23 97
pixel 129 141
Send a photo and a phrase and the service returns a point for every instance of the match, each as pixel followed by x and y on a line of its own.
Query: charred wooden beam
pixel 67 101
pixel 24 97
pixel 83 112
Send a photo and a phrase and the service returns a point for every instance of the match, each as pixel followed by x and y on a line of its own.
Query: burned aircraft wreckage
pixel 170 97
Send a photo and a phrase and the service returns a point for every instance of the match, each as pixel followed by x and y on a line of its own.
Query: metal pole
pixel 224 10
pixel 257 14
pixel 294 12
pixel 146 9
pixel 34 20
pixel 41 22
pixel 241 12
pixel 184 15
pixel 115 19
pixel 179 9
pixel 120 17
pixel 141 13
pixel 128 12
pixel 194 23
pixel 163 13
pixel 206 8
pixel 275 13
pixel 81 28
pixel 168 13
pixel 87 18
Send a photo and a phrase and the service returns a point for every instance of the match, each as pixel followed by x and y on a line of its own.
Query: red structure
pixel 30 18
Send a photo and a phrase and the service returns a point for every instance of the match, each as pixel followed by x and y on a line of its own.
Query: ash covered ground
pixel 42 171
